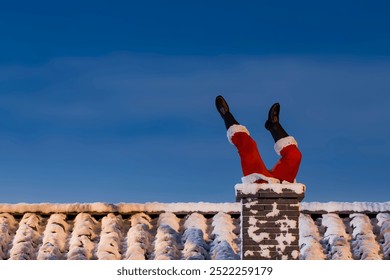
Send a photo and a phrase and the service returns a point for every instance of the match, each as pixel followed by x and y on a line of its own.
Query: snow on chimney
pixel 269 220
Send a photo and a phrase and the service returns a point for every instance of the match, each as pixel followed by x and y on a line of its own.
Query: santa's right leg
pixel 238 135
pixel 286 169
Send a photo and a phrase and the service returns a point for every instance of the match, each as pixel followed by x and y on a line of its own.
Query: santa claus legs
pixel 285 169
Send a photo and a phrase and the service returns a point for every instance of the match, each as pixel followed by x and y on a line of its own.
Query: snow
pixel 54 240
pixel 168 243
pixel 364 245
pixel 223 246
pixel 110 238
pixel 384 223
pixel 7 229
pixel 181 235
pixel 277 188
pixel 253 228
pixel 249 205
pixel 82 243
pixel 195 237
pixel 336 238
pixel 252 178
pixel 274 211
pixel 26 240
pixel 284 239
pixel 309 239
pixel 346 206
pixel 286 223
pixel 202 207
pixel 264 251
pixel 361 243
pixel 138 238
pixel 121 208
pixel 295 254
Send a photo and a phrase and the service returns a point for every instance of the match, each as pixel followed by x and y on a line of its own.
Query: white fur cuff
pixel 234 129
pixel 284 142
pixel 252 178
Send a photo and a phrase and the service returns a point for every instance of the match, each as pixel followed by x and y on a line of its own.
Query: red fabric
pixel 286 169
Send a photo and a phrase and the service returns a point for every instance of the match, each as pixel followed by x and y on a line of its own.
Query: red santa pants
pixel 285 169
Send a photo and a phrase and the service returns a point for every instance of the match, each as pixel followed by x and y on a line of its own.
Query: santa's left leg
pixel 251 161
pixel 238 135
pixel 286 169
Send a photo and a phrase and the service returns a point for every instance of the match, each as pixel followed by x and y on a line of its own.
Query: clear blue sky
pixel 113 101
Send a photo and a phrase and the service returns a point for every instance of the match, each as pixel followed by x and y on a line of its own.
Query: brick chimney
pixel 269 220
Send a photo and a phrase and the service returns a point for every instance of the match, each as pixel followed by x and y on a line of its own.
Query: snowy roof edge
pixel 121 208
pixel 184 207
pixel 340 207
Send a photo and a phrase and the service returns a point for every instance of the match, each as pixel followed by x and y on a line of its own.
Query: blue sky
pixel 113 101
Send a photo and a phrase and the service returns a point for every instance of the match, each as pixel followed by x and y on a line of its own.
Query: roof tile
pixel 187 231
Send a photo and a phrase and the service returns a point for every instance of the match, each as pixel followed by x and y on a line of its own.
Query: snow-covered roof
pixel 182 231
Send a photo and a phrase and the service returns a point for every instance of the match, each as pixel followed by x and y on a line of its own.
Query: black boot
pixel 273 125
pixel 224 111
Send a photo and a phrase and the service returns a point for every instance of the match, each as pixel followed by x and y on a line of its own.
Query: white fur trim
pixel 234 129
pixel 251 178
pixel 283 143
